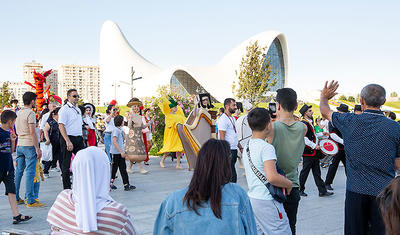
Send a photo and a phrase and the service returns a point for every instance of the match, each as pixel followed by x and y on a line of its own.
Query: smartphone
pixel 272 109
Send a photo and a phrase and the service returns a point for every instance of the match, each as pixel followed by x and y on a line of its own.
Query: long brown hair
pixel 212 172
pixel 389 205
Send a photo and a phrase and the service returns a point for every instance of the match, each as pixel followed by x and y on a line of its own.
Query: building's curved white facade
pixel 117 57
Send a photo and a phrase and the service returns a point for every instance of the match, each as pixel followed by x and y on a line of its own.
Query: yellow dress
pixel 172 142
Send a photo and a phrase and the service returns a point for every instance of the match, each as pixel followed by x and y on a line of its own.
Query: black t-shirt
pixel 5 151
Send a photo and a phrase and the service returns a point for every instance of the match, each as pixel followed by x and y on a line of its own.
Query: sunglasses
pixel 75 96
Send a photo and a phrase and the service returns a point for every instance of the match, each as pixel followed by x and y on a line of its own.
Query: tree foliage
pixel 7 95
pixel 255 75
pixel 393 94
pixel 343 97
pixel 351 99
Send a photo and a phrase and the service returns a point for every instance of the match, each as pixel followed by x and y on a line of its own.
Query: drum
pixel 329 147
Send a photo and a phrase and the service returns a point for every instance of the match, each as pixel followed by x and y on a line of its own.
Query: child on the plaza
pixel 118 154
pixel 259 160
pixel 7 146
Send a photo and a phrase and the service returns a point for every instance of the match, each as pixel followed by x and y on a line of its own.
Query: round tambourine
pixel 329 147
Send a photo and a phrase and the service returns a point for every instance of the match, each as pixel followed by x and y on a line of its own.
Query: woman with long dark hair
pixel 210 205
pixel 389 205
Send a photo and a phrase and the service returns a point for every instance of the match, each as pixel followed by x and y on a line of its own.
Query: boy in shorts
pixel 7 146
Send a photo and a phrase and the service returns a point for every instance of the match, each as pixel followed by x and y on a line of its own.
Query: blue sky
pixel 355 43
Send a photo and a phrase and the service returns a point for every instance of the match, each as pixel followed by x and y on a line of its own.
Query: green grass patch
pixel 393 104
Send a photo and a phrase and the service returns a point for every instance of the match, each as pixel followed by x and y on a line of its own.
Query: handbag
pixel 278 193
pixel 47 152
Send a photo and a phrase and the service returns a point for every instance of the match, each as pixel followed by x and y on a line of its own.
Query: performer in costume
pixel 135 148
pixel 172 143
pixel 90 123
pixel 148 132
pixel 311 155
pixel 341 155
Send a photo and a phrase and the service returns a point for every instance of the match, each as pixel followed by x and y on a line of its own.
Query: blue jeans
pixel 107 144
pixel 36 187
pixel 26 158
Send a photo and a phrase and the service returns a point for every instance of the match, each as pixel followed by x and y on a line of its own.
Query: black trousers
pixel 362 215
pixel 47 165
pixel 119 162
pixel 233 162
pixel 339 157
pixel 56 154
pixel 55 149
pixel 312 163
pixel 291 205
pixel 77 141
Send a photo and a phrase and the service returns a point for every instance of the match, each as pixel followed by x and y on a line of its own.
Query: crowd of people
pixel 270 143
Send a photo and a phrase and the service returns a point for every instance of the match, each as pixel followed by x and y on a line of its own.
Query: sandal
pixel 18 219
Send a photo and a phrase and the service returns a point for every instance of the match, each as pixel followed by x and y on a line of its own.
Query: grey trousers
pixel 270 217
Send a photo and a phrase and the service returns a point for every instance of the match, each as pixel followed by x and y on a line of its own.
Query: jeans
pixel 233 162
pixel 26 158
pixel 107 144
pixel 362 215
pixel 36 187
pixel 291 205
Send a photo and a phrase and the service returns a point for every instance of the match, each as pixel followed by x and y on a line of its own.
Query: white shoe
pixel 179 167
pixel 129 170
pixel 141 170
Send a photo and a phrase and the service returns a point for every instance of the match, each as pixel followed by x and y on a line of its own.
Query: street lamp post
pixel 133 79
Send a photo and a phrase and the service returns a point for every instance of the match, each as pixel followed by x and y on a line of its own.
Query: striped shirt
pixel 112 219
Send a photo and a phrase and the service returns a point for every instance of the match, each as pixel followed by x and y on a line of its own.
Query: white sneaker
pixel 129 170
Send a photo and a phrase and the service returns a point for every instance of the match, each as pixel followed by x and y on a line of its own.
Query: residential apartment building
pixel 85 79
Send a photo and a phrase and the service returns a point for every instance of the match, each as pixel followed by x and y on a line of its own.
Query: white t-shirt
pixel 71 117
pixel 110 125
pixel 44 120
pixel 244 132
pixel 260 152
pixel 227 124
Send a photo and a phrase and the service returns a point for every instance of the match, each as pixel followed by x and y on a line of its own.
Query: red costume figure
pixel 42 94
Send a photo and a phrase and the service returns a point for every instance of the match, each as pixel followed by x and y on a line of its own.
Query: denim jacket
pixel 237 215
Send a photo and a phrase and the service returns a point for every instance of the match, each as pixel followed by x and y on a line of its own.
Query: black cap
pixel 304 109
pixel 357 108
pixel 343 108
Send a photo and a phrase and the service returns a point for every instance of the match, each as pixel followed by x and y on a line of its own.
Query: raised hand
pixel 329 90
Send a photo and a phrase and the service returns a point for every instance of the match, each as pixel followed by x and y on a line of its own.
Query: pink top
pixel 112 219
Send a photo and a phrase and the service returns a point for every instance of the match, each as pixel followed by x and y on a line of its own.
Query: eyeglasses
pixel 75 96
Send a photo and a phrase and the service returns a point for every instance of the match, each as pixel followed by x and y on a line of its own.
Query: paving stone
pixel 316 215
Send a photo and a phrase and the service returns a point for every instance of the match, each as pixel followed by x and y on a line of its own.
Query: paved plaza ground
pixel 316 215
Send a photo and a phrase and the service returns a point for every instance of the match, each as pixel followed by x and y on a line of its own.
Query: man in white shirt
pixel 70 125
pixel 227 131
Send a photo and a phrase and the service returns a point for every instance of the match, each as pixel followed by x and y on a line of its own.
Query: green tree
pixel 343 97
pixel 255 75
pixel 358 98
pixel 351 99
pixel 7 95
pixel 393 94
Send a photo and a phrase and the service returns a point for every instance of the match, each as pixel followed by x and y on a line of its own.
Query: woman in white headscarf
pixel 88 207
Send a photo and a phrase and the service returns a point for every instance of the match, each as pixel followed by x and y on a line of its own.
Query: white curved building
pixel 117 57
